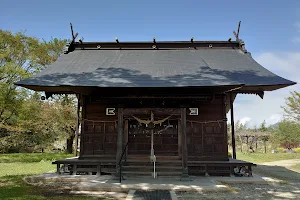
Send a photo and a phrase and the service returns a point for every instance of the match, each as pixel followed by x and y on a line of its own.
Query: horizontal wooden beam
pixel 147 111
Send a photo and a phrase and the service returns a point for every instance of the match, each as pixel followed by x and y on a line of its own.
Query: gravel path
pixel 288 189
pixel 249 191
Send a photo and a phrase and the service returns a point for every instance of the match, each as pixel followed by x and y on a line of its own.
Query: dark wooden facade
pixel 206 133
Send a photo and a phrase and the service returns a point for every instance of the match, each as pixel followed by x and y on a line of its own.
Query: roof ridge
pixel 155 45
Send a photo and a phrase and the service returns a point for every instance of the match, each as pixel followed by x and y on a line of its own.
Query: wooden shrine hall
pixel 156 102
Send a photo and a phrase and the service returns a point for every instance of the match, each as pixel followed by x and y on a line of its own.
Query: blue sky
pixel 270 29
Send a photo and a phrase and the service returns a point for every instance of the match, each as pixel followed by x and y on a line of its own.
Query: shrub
pixel 297 150
pixel 281 150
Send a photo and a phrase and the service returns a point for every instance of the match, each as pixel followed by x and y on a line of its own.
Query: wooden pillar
pixel 179 139
pixel 77 126
pixel 120 136
pixel 58 168
pixel 224 124
pixel 74 169
pixel 126 135
pixel 232 128
pixel 185 174
pixel 83 116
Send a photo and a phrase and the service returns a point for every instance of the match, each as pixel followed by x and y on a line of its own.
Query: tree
pixel 239 127
pixel 263 126
pixel 21 56
pixel 67 116
pixel 40 123
pixel 25 120
pixel 292 107
pixel 252 136
pixel 287 134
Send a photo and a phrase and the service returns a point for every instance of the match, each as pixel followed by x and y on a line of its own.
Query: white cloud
pixel 286 65
pixel 245 120
pixel 273 119
pixel 283 64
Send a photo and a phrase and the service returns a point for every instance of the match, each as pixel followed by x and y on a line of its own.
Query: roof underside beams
pixel 241 89
pixel 137 91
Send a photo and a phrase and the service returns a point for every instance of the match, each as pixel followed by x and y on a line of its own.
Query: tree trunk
pixel 77 126
pixel 70 141
pixel 265 146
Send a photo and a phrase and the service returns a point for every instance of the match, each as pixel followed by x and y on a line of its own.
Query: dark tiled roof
pixel 155 68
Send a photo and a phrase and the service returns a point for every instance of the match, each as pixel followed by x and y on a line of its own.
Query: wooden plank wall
pixel 99 138
pixel 207 141
pixel 204 141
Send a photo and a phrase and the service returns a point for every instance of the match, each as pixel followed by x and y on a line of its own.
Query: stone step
pixel 159 173
pixel 151 166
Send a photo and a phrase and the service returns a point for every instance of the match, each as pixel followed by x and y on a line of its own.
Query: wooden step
pixel 139 157
pixel 86 162
pixel 157 161
pixel 103 157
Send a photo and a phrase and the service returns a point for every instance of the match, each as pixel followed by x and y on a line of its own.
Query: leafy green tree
pixel 66 109
pixel 240 126
pixel 40 123
pixel 292 107
pixel 263 126
pixel 25 120
pixel 287 134
pixel 21 56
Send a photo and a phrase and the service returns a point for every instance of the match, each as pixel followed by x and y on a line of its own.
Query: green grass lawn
pixel 258 158
pixel 296 168
pixel 14 167
pixel 18 168
pixel 32 157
